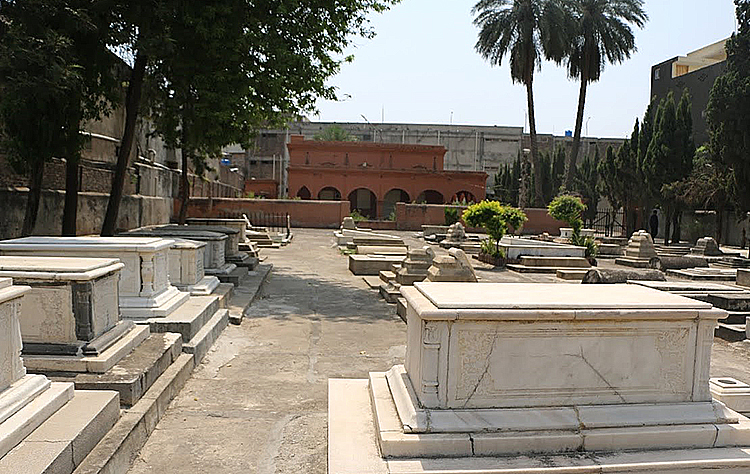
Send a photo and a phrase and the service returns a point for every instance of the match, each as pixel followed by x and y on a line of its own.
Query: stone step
pixel 133 376
pixel 401 308
pixel 410 278
pixel 205 338
pixel 372 282
pixel 559 262
pixel 118 449
pixel 96 364
pixel 738 302
pixel 730 332
pixel 235 277
pixel 633 262
pixel 224 291
pixel 390 293
pixel 64 440
pixel 566 274
pixel 386 276
pixel 245 294
pixel 188 319
pixel 372 265
pixel 525 269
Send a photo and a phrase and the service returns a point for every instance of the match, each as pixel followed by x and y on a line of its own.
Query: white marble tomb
pixel 186 268
pixel 70 320
pixel 498 369
pixel 26 401
pixel 145 291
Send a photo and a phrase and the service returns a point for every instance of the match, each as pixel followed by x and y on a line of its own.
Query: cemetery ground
pixel 258 401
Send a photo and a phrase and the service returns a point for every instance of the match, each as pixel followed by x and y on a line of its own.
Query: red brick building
pixel 373 177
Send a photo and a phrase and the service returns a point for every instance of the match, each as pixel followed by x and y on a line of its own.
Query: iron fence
pixel 609 223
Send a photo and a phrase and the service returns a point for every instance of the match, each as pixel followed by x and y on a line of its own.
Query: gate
pixel 609 223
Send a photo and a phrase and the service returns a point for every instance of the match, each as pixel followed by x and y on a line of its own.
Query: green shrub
pixel 451 215
pixel 488 247
pixel 496 219
pixel 569 209
pixel 357 216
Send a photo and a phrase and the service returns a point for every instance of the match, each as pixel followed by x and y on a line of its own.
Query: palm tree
pixel 599 33
pixel 525 31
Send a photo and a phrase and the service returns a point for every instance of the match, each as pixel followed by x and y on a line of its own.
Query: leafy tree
pixel 666 158
pixel 334 133
pixel 285 54
pixel 570 209
pixel 496 218
pixel 587 182
pixel 710 185
pixel 53 77
pixel 599 33
pixel 728 110
pixel 525 31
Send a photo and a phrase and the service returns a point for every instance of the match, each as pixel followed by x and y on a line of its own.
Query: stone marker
pixel 677 262
pixel 348 223
pixel 707 246
pixel 415 267
pixel 639 252
pixel 496 369
pixel 232 252
pixel 72 308
pixel 611 275
pixel 452 267
pixel 145 291
pixel 743 277
pixel 455 237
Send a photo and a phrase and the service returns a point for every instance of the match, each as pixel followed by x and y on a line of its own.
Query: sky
pixel 422 68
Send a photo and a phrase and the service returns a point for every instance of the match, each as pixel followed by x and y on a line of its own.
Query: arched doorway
pixel 430 196
pixel 463 197
pixel 364 201
pixel 303 193
pixel 391 198
pixel 329 193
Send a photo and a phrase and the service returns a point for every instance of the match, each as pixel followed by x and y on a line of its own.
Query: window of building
pixel 657 74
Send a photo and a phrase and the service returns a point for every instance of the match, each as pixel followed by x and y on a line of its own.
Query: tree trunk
pixel 70 211
pixel 184 188
pixel 132 102
pixel 536 168
pixel 35 194
pixel 523 187
pixel 720 227
pixel 570 169
pixel 667 223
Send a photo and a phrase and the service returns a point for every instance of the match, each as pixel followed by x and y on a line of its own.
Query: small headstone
pixel 639 252
pixel 348 223
pixel 455 237
pixel 416 265
pixel 707 246
pixel 452 267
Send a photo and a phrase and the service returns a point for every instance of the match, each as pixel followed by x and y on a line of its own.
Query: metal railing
pixel 273 222
pixel 609 223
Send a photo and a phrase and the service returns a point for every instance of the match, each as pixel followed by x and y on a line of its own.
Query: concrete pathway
pixel 258 402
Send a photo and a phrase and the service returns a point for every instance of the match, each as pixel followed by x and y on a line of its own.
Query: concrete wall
pixel 324 214
pixel 135 211
pixel 540 221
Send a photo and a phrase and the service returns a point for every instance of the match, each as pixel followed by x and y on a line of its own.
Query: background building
pixel 697 72
pixel 373 177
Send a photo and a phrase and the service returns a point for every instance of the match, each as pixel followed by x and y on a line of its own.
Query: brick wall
pixel 324 214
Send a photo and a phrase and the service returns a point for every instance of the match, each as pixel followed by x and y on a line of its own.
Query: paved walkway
pixel 258 402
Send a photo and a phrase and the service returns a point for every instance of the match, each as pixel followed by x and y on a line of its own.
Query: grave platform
pixel 144 288
pixel 229 273
pixel 549 264
pixel 373 264
pixel 187 268
pixel 705 274
pixel 527 369
pixel 134 375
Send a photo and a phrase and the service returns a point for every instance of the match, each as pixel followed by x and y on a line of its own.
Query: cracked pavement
pixel 258 401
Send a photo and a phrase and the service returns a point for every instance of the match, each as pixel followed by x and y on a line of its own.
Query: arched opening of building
pixel 390 199
pixel 329 193
pixel 464 197
pixel 303 193
pixel 430 196
pixel 364 201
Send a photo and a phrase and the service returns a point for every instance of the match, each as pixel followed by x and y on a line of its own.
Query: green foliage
pixel 334 133
pixel 392 216
pixel 357 216
pixel 568 209
pixel 592 249
pixel 587 182
pixel 728 110
pixel 451 215
pixel 495 218
pixel 488 247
